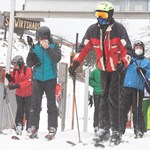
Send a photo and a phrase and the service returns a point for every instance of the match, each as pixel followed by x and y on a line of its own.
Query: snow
pixel 6 143
pixel 61 138
pixel 60 141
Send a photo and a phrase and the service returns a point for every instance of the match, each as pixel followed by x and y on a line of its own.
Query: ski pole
pixel 9 109
pixel 74 104
pixel 74 83
pixel 146 80
pixel 137 110
pixel 119 80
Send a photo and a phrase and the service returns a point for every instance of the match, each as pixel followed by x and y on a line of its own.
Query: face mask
pixel 138 51
pixel 102 21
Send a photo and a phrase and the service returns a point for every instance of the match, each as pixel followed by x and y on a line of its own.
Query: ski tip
pixel 70 142
pixel 99 145
pixel 15 138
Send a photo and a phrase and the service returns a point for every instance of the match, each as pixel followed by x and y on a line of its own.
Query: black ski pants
pixel 38 89
pixel 109 108
pixel 132 97
pixel 23 108
pixel 97 100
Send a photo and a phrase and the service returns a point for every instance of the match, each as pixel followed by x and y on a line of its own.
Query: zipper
pixel 43 65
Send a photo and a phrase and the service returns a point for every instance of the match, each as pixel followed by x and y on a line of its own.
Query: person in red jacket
pixel 113 48
pixel 20 79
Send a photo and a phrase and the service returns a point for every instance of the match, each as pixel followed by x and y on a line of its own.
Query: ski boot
pixel 138 134
pixel 95 130
pixel 115 138
pixel 51 134
pixel 34 133
pixel 100 136
pixel 19 129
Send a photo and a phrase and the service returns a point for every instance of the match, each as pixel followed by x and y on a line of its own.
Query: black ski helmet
pixel 44 33
pixel 140 43
pixel 18 60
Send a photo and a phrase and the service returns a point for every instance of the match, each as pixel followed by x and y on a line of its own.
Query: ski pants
pixel 23 108
pixel 38 89
pixel 97 100
pixel 132 97
pixel 109 108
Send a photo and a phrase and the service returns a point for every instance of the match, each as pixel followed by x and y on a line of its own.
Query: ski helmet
pixel 107 8
pixel 140 43
pixel 18 60
pixel 43 32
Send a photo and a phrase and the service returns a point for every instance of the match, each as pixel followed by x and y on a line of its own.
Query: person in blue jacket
pixel 43 57
pixel 133 90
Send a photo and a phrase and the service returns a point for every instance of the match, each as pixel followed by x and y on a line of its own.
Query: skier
pixel 95 83
pixel 133 89
pixel 43 57
pixel 20 79
pixel 112 46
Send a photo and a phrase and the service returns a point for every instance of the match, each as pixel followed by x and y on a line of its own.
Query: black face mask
pixel 104 27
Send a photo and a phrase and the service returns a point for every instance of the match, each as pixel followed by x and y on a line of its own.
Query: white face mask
pixel 138 51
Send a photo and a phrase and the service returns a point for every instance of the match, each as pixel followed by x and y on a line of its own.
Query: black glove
pixel 120 67
pixel 90 101
pixel 13 86
pixel 32 60
pixel 72 69
pixel 8 77
pixel 140 69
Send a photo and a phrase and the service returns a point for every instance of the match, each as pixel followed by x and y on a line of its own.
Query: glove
pixel 90 101
pixel 140 69
pixel 32 60
pixel 8 77
pixel 72 69
pixel 13 86
pixel 120 67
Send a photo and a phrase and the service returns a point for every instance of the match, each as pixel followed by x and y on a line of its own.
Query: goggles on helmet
pixel 138 42
pixel 100 14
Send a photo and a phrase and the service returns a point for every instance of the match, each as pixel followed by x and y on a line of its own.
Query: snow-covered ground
pixel 60 141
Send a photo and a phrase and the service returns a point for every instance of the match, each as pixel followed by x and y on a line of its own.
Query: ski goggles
pixel 100 14
pixel 138 42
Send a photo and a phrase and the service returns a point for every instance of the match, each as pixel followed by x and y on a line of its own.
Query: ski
pixel 49 137
pixel 70 142
pixel 98 144
pixel 117 143
pixel 14 137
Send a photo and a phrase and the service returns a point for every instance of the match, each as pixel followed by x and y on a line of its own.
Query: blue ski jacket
pixel 48 59
pixel 132 78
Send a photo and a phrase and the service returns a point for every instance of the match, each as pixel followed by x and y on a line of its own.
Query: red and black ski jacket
pixel 24 79
pixel 110 46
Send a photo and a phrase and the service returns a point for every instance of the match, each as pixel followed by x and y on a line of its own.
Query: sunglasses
pixel 100 14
